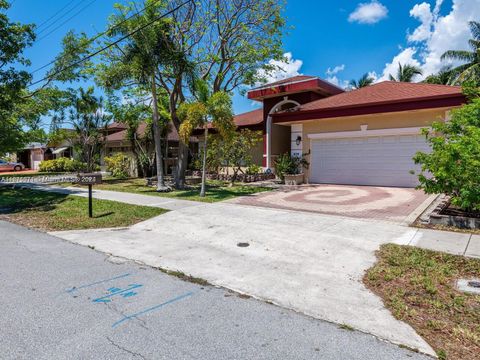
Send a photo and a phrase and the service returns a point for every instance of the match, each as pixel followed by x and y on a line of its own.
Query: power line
pixel 63 23
pixel 112 44
pixel 101 34
pixel 58 12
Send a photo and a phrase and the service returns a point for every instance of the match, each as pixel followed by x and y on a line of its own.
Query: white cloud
pixel 373 75
pixel 423 13
pixel 369 13
pixel 450 32
pixel 406 56
pixel 285 68
pixel 335 70
pixel 332 76
pixel 435 35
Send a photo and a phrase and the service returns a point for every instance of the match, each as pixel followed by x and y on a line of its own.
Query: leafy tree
pixel 365 80
pixel 470 70
pixel 14 39
pixel 452 166
pixel 74 48
pixel 133 114
pixel 406 73
pixel 226 43
pixel 138 62
pixel 443 77
pixel 210 110
pixel 471 90
pixel 237 150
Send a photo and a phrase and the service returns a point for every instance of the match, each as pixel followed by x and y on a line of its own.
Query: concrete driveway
pixel 400 205
pixel 311 263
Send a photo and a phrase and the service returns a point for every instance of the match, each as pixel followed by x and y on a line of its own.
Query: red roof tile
pixel 287 81
pixel 116 125
pixel 292 85
pixel 383 93
pixel 249 118
pixel 121 135
pixel 117 136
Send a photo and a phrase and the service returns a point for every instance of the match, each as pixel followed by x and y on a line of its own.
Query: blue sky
pixel 349 37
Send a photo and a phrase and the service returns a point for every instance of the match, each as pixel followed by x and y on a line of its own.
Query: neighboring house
pixel 361 137
pixel 117 142
pixel 65 147
pixel 32 155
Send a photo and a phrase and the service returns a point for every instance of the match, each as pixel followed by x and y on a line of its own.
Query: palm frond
pixel 353 84
pixel 475 29
pixel 474 44
pixel 365 80
pixel 462 55
pixel 472 73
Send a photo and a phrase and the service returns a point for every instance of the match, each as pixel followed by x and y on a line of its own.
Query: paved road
pixel 64 301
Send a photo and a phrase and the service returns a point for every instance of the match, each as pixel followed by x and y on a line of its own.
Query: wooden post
pixel 90 207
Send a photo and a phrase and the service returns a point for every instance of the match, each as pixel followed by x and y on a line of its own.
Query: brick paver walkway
pixel 367 202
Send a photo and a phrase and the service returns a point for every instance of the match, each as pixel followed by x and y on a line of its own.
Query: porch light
pixel 299 140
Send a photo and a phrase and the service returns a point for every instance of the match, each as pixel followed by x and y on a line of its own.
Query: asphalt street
pixel 63 301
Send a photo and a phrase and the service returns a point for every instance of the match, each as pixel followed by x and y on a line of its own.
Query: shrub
pixel 61 165
pixel 452 167
pixel 119 165
pixel 253 169
pixel 289 165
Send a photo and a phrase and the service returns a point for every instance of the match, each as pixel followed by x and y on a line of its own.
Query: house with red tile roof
pixel 116 141
pixel 366 136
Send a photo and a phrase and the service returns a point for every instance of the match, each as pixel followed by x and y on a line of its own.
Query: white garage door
pixel 381 161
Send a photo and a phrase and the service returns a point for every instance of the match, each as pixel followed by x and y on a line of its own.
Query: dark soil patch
pixel 455 211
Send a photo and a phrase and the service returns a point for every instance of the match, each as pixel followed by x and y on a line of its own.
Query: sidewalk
pixel 455 243
pixel 124 197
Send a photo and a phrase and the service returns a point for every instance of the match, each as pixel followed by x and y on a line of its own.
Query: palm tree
pixel 365 80
pixel 443 77
pixel 88 118
pixel 470 70
pixel 406 73
pixel 208 109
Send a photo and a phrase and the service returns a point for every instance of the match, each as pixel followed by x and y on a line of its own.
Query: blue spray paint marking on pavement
pixel 117 291
pixel 153 308
pixel 96 283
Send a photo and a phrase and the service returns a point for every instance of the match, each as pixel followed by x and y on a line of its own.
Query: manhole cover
pixel 243 244
pixel 474 284
pixel 469 285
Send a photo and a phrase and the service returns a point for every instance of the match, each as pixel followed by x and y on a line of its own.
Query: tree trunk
pixel 234 176
pixel 158 141
pixel 136 157
pixel 204 165
pixel 182 163
pixel 165 163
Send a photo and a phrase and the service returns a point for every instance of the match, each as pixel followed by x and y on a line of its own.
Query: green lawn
pixel 52 211
pixel 418 286
pixel 33 174
pixel 216 190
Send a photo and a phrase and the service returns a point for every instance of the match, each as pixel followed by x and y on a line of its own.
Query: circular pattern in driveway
pixel 369 202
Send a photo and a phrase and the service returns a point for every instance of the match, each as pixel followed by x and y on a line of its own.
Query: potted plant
pixel 290 168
